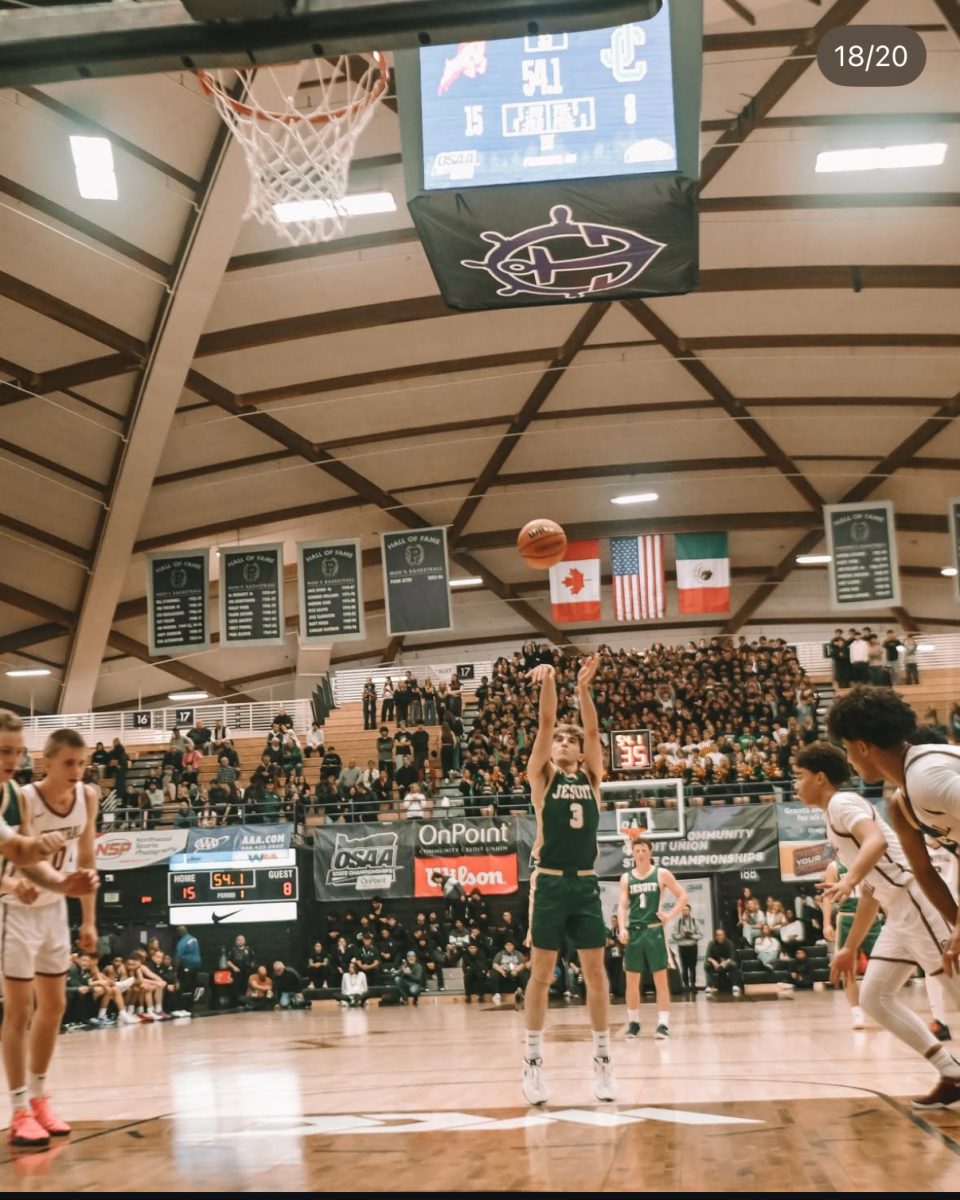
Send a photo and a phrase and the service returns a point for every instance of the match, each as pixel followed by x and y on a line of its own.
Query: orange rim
pixel 213 88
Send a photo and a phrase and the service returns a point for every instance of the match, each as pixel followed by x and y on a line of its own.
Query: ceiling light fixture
pixel 635 498
pixel 812 560
pixel 93 163
pixel 358 204
pixel 188 695
pixel 28 672
pixel 469 581
pixel 880 158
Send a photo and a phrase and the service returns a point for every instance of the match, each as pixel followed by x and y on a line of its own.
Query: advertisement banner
pixel 355 862
pixel 862 543
pixel 239 839
pixel 331 592
pixel 477 852
pixel 804 850
pixel 125 851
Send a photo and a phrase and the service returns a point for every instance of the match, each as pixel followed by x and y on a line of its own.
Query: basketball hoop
pixel 299 159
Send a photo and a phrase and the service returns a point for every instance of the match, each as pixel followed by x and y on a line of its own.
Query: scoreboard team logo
pixel 604 258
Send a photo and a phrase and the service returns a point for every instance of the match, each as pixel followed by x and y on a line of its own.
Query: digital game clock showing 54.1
pixel 233 885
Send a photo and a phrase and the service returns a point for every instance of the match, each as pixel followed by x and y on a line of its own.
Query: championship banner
pixel 126 851
pixel 805 852
pixel 477 852
pixel 861 541
pixel 416 581
pixel 955 545
pixel 251 596
pixel 331 592
pixel 352 863
pixel 177 618
pixel 557 167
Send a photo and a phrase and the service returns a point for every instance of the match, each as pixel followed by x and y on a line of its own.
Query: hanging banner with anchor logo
pixel 558 168
pixel 416 581
pixel 862 544
pixel 331 592
pixel 251 596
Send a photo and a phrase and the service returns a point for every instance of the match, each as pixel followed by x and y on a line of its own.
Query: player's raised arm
pixel 592 747
pixel 545 677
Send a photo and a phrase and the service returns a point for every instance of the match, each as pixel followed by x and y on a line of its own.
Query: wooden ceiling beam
pixel 538 396
pixel 775 88
pixel 69 316
pixel 679 350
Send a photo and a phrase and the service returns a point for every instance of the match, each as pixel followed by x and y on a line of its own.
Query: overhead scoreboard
pixel 557 167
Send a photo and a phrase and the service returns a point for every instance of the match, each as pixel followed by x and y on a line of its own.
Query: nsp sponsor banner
pixel 862 544
pixel 477 852
pixel 251 595
pixel 804 850
pixel 331 592
pixel 125 851
pixel 416 581
pixel 177 617
pixel 360 861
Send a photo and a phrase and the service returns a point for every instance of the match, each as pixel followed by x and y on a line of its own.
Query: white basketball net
pixel 299 158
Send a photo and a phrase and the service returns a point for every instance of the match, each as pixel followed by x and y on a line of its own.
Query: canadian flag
pixel 575 584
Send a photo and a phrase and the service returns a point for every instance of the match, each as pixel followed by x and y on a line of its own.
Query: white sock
pixel 18 1098
pixel 601 1043
pixel 158 1008
pixel 533 1043
pixel 663 1016
pixel 945 1063
pixel 35 1085
pixel 633 1016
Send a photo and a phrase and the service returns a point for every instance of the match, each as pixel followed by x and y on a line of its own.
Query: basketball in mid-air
pixel 541 543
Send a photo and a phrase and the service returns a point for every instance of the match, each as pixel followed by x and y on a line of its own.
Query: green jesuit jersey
pixel 850 904
pixel 644 899
pixel 9 803
pixel 570 819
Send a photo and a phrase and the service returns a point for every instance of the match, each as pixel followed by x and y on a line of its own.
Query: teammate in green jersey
pixel 641 920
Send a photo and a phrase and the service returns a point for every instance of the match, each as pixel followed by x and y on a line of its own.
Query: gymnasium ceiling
pixel 330 392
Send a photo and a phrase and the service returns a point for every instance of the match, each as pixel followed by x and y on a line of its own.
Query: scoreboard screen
pixel 233 885
pixel 630 750
pixel 549 107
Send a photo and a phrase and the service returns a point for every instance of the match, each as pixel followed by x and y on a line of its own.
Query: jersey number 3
pixel 576 816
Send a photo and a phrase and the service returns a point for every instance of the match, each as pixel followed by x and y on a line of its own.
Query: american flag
pixel 639 577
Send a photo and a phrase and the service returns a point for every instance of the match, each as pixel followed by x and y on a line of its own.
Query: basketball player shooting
pixel 565 770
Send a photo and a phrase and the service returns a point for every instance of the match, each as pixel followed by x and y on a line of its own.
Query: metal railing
pixel 348 685
pixel 242 720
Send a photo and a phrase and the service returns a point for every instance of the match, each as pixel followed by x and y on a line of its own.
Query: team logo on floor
pixel 384 1124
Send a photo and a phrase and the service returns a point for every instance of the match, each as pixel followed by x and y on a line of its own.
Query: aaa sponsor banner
pixel 477 852
pixel 137 848
pixel 804 850
pixel 233 839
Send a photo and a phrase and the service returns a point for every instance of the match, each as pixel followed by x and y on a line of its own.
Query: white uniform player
pixel 35 943
pixel 914 932
pixel 947 866
pixel 36 937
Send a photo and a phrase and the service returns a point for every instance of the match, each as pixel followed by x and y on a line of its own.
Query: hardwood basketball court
pixel 764 1095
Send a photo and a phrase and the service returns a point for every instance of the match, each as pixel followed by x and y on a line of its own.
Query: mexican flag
pixel 575 584
pixel 703 572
